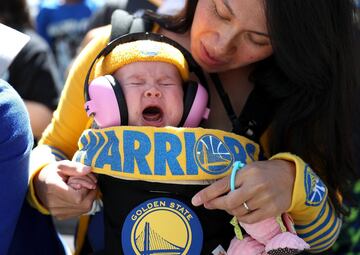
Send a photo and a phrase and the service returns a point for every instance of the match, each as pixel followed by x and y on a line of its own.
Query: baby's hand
pixel 78 182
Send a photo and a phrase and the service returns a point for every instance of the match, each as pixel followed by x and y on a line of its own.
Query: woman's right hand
pixel 57 196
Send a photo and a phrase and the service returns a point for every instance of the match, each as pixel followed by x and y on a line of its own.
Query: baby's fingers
pixel 93 177
pixel 81 182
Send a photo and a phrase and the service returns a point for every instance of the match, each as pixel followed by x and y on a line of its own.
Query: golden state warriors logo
pixel 212 155
pixel 150 50
pixel 314 187
pixel 162 226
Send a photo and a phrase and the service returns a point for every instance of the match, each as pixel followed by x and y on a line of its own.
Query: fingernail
pixel 196 200
pixel 87 168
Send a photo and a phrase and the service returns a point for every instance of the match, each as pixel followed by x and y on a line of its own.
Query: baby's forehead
pixel 141 69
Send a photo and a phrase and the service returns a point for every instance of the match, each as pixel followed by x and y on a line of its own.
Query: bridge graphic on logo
pixel 149 242
pixel 213 156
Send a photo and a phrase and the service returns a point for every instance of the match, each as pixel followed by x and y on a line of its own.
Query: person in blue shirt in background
pixel 63 24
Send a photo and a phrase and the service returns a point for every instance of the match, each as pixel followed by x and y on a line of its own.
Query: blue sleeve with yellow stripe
pixel 315 218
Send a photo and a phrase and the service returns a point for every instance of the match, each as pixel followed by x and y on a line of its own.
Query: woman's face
pixel 228 34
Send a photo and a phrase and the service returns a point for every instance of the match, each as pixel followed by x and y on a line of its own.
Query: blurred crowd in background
pixel 57 29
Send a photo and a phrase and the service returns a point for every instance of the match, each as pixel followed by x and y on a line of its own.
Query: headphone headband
pixel 193 66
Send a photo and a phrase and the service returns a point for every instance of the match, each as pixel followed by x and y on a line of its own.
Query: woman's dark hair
pixel 313 72
pixel 314 76
pixel 15 13
pixel 179 23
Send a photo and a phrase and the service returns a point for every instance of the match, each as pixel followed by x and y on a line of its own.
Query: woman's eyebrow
pixel 227 5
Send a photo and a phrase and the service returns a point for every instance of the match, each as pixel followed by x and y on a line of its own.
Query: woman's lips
pixel 207 59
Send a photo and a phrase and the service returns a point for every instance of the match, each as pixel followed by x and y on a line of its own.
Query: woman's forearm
pixel 315 219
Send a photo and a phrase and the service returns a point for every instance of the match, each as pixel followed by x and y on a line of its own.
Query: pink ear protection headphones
pixel 105 100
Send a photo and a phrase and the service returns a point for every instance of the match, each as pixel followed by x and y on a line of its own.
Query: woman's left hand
pixel 264 186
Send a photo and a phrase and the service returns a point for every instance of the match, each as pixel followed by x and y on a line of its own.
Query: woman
pixel 287 69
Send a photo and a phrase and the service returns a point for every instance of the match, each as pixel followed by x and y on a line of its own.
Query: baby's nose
pixel 152 92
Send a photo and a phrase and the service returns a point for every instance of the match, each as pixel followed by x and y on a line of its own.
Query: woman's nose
pixel 225 44
pixel 225 48
pixel 152 92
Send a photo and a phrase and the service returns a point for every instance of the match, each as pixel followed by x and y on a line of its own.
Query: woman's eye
pixel 217 12
pixel 258 40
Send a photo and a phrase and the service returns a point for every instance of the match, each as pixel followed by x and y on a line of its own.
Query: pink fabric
pixel 257 230
pixel 288 222
pixel 247 246
pixel 267 236
pixel 287 240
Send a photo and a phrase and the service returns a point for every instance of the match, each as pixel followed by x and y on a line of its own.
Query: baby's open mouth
pixel 152 113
